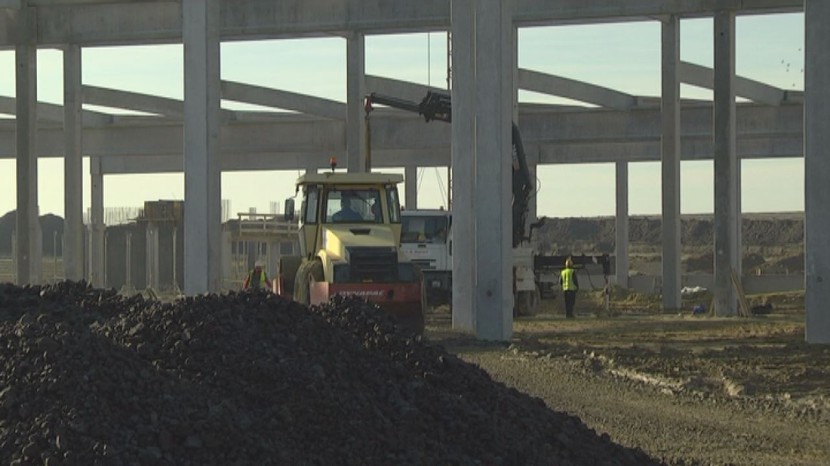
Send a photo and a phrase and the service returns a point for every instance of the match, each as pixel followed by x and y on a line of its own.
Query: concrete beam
pixel 267 97
pixel 54 113
pixel 530 12
pixel 105 23
pixel 562 137
pixel 115 98
pixel 575 90
pixel 755 91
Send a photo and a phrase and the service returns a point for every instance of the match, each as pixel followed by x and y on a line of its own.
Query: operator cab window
pixel 353 206
pixel 394 204
pixel 309 206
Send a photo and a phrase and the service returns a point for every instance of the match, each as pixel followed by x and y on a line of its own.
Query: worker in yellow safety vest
pixel 256 278
pixel 570 285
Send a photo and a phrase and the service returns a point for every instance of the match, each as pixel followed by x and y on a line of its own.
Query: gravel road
pixel 677 426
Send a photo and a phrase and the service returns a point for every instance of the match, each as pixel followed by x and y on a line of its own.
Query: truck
pixel 426 239
pixel 349 227
pixel 534 275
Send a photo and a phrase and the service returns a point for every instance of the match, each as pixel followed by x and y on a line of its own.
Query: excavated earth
pixel 90 377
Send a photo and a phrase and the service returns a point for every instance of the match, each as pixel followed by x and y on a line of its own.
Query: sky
pixel 622 56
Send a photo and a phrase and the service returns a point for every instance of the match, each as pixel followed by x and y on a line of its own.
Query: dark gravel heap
pixel 90 377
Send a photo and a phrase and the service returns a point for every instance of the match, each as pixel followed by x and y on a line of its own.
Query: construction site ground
pixel 688 389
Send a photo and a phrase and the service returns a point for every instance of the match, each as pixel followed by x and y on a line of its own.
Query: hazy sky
pixel 624 56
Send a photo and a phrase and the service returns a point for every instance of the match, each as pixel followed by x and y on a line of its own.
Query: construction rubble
pixel 91 377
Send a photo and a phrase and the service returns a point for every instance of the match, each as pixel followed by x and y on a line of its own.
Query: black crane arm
pixel 438 106
pixel 435 106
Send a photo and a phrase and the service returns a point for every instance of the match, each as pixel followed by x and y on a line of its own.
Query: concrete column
pixel 129 288
pixel 411 186
pixel 28 259
pixel 227 261
pixel 621 238
pixel 726 171
pixel 670 164
pixel 73 206
pixel 151 256
pixel 355 92
pixel 463 142
pixel 817 170
pixel 202 172
pixel 493 170
pixel 96 224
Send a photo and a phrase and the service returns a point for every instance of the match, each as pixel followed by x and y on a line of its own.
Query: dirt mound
pixel 90 377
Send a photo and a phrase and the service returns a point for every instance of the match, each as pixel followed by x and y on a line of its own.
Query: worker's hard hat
pixel 259 264
pixel 569 262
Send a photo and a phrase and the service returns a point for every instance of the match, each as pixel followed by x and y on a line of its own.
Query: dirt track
pixel 686 389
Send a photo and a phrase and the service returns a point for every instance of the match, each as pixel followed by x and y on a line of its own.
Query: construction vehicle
pixel 532 273
pixel 426 239
pixel 350 231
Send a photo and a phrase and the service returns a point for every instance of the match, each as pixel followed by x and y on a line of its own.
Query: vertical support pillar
pixel 355 91
pixel 175 279
pixel 202 172
pixel 73 251
pixel 128 276
pixel 28 258
pixel 621 222
pixel 817 170
pixel 493 291
pixel 726 171
pixel 96 224
pixel 670 164
pixel 463 167
pixel 229 262
pixel 152 256
pixel 411 186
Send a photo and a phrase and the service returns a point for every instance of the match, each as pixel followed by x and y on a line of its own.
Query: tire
pixel 309 271
pixel 301 294
pixel 526 303
pixel 288 269
pixel 315 271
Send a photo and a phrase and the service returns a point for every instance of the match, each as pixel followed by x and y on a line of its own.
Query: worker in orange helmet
pixel 257 278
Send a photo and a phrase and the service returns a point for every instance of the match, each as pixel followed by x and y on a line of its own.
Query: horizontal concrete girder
pixel 267 97
pixel 755 91
pixel 557 136
pixel 575 90
pixel 54 113
pixel 105 23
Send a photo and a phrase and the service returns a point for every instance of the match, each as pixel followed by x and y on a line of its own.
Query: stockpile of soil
pixel 90 377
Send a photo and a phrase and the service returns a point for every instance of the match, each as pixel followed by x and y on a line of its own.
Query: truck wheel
pixel 301 294
pixel 315 274
pixel 309 272
pixel 526 303
pixel 316 271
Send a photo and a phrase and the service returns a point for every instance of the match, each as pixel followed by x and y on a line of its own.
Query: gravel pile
pixel 90 377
